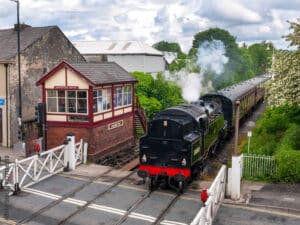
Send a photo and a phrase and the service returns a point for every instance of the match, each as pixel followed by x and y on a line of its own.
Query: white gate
pixel 216 195
pixel 26 172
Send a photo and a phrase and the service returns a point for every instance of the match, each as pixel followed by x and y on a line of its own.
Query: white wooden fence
pixel 216 195
pixel 26 172
pixel 258 165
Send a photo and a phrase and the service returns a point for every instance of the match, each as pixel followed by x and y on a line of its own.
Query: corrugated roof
pixel 115 47
pixel 104 73
pixel 8 40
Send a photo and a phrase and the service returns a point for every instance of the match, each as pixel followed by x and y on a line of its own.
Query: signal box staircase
pixel 140 119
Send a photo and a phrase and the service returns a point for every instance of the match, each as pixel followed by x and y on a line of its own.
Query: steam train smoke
pixel 190 85
pixel 211 58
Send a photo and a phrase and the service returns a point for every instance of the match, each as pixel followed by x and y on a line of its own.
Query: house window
pixel 102 100
pixel 122 96
pixel 62 101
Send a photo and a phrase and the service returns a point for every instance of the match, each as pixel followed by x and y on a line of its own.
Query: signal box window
pixel 118 97
pixel 62 101
pixel 102 100
pixel 122 96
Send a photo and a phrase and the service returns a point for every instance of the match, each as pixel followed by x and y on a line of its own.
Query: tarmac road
pixel 238 215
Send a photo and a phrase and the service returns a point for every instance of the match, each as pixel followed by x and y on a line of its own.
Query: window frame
pixel 104 96
pixel 66 100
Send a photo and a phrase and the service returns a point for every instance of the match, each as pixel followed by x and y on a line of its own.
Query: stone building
pixel 95 101
pixel 41 49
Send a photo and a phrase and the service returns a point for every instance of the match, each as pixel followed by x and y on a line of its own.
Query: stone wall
pixel 36 61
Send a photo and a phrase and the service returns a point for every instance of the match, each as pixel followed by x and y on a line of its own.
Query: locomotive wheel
pixel 151 183
pixel 181 186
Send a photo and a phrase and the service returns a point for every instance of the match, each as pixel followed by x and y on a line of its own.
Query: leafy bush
pixel 288 166
pixel 291 140
pixel 150 105
pixel 156 94
pixel 279 126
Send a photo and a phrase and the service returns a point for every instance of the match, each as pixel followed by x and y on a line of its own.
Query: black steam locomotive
pixel 180 138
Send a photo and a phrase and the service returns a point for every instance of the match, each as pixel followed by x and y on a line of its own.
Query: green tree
pixel 168 47
pixel 294 38
pixel 285 88
pixel 156 94
pixel 237 68
pixel 181 60
pixel 261 55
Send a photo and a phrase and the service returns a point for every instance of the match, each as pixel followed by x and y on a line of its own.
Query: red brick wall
pixel 101 140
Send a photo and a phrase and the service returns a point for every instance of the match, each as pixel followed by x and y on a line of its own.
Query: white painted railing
pixel 216 194
pixel 26 172
pixel 258 165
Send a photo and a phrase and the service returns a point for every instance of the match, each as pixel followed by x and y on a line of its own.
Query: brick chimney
pixel 22 26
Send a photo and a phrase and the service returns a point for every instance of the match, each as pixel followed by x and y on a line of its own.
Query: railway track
pixel 133 207
pixel 70 194
pixel 120 159
pixel 81 208
pixel 162 215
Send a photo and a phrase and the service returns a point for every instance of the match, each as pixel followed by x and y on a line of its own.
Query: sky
pixel 151 21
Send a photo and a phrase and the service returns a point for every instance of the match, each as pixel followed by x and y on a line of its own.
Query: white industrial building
pixel 131 55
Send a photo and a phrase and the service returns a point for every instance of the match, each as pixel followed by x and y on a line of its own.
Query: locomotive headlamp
pixel 144 158
pixel 165 123
pixel 183 162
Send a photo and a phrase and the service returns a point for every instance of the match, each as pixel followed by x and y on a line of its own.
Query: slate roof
pixel 8 40
pixel 115 47
pixel 104 72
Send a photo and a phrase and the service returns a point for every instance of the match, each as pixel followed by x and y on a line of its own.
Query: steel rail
pixel 133 207
pixel 83 207
pixel 160 217
pixel 64 197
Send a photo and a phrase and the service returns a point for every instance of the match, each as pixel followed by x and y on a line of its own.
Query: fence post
pixel 85 147
pixel 66 155
pixel 16 178
pixel 71 151
pixel 236 177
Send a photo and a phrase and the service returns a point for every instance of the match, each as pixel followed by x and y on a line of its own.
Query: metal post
pixel 249 134
pixel 237 120
pixel 6 91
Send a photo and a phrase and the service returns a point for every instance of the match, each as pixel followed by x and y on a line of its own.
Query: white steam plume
pixel 211 57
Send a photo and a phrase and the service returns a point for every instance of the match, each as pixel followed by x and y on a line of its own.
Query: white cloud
pixel 156 20
pixel 236 11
